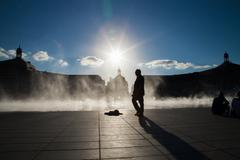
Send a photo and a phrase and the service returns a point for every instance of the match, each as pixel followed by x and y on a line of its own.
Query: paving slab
pixel 190 133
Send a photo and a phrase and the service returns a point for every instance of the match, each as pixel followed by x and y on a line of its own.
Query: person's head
pixel 138 72
pixel 221 94
pixel 238 94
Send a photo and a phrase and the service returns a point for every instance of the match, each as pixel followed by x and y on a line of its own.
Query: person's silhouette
pixel 138 93
pixel 235 110
pixel 220 104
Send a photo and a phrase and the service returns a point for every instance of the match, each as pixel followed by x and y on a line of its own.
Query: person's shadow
pixel 177 147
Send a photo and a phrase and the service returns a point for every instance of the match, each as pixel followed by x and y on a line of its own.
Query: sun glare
pixel 117 49
pixel 116 57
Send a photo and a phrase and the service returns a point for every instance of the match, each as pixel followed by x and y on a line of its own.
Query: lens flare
pixel 116 56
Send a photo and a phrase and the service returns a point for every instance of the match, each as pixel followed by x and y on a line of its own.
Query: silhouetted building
pixel 226 57
pixel 19 79
pixel 117 87
pixel 225 77
pixel 16 65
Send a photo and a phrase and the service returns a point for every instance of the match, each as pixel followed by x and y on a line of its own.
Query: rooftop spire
pixel 19 52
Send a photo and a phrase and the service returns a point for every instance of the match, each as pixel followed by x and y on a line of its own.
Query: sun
pixel 117 49
pixel 116 56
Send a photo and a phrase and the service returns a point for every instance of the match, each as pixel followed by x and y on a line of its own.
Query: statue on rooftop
pixel 226 57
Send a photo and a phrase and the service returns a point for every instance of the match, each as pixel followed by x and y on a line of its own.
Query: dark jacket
pixel 139 87
pixel 220 104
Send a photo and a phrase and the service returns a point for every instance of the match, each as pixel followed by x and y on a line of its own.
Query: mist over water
pixel 51 92
pixel 90 104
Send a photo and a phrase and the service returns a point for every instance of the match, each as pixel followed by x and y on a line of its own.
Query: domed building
pixel 117 87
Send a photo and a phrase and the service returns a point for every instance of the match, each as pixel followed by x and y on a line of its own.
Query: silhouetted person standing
pixel 220 104
pixel 235 111
pixel 138 93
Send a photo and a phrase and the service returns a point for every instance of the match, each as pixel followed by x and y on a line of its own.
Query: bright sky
pixel 99 36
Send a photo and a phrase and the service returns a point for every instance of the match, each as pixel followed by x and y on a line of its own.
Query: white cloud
pixel 12 53
pixel 162 63
pixel 37 56
pixel 4 54
pixel 91 61
pixel 203 66
pixel 182 65
pixel 42 56
pixel 172 64
pixel 62 63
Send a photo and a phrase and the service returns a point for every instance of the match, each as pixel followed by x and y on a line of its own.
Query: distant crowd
pixel 221 105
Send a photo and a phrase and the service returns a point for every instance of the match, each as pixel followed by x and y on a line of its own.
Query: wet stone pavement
pixel 161 134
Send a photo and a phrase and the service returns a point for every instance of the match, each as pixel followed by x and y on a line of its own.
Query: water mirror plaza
pixel 161 134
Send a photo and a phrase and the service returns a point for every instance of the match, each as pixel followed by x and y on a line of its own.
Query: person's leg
pixel 134 102
pixel 227 110
pixel 141 102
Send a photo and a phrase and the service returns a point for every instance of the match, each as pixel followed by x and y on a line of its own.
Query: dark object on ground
pixel 113 113
pixel 220 105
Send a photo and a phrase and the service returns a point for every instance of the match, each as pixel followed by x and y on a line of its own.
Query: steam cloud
pixel 56 94
pixel 102 104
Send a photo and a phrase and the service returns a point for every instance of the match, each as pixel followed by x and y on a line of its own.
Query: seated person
pixel 235 111
pixel 220 104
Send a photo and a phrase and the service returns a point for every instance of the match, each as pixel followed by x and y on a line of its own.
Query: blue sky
pixel 158 36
